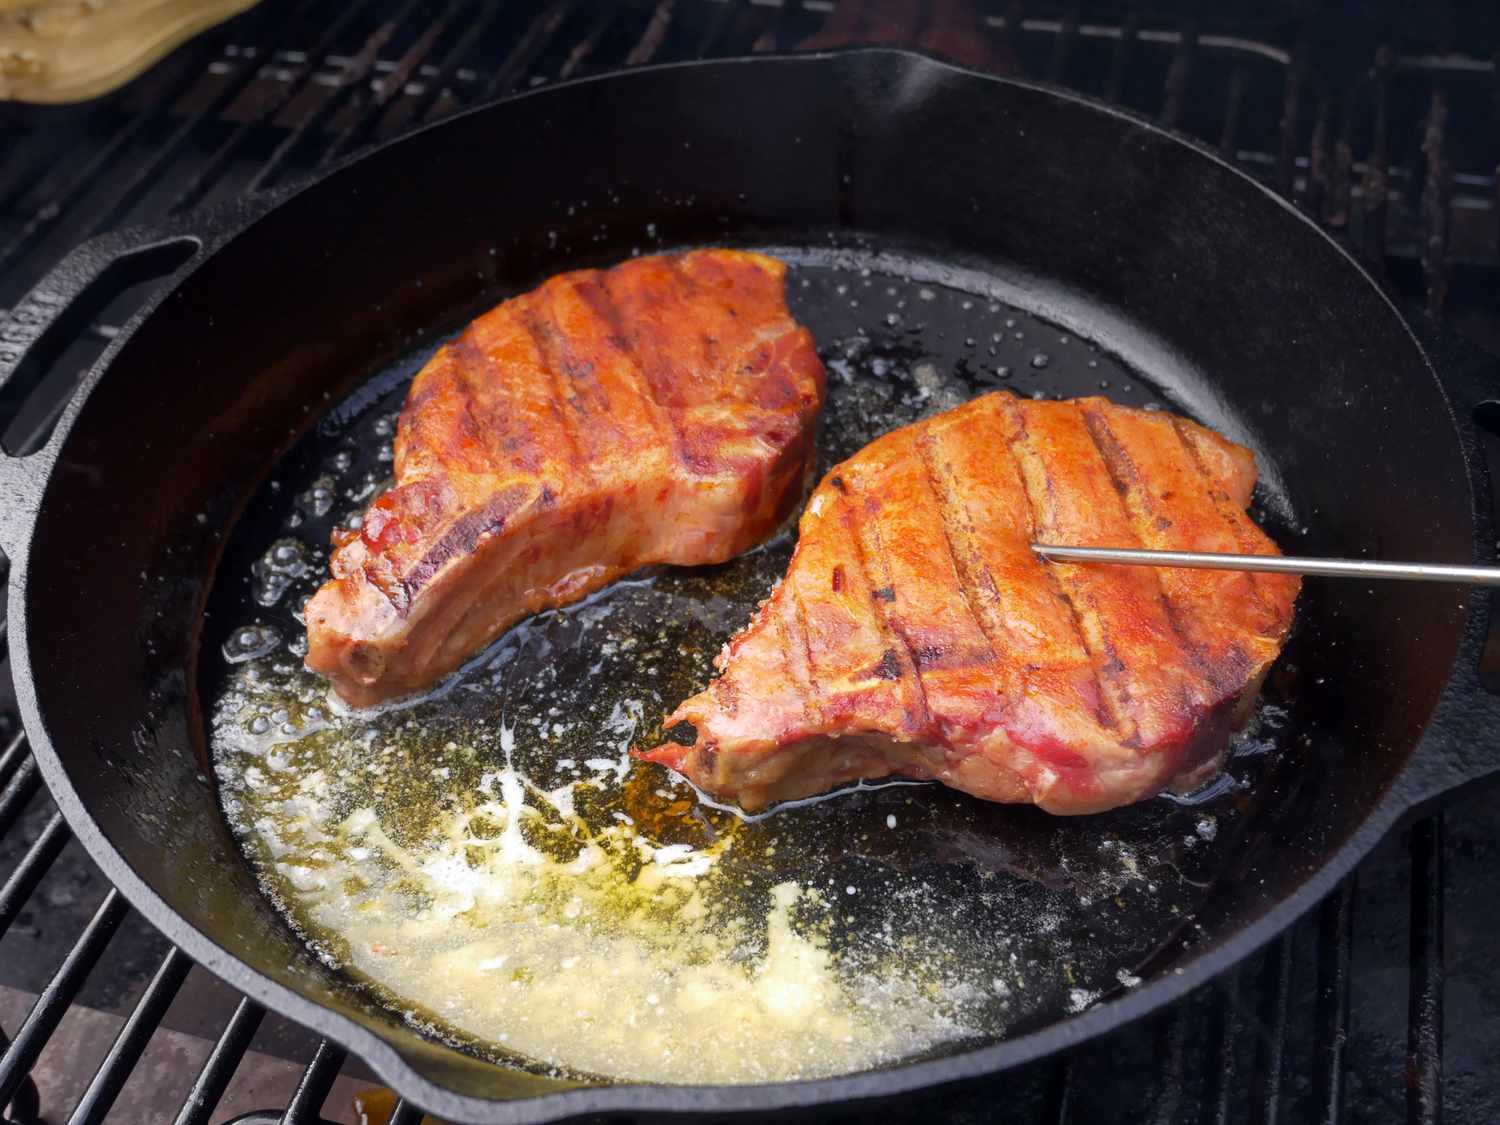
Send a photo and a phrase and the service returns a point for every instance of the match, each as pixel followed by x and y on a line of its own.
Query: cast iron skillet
pixel 1213 289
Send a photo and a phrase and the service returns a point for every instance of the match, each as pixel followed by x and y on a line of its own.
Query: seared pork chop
pixel 662 411
pixel 916 633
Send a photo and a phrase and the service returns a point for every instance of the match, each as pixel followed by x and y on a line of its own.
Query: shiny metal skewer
pixel 1333 568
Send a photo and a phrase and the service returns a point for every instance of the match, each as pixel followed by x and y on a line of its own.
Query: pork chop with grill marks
pixel 663 411
pixel 916 633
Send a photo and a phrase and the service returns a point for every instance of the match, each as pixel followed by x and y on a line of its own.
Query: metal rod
pixel 1276 564
pixel 24 782
pixel 527 48
pixel 1424 1036
pixel 1335 956
pixel 129 1044
pixel 53 1003
pixel 1274 986
pixel 23 881
pixel 220 1066
pixel 16 751
pixel 317 1080
pixel 126 196
pixel 301 79
pixel 351 88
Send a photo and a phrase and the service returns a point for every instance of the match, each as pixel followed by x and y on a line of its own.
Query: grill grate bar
pixel 221 1064
pixel 1295 77
pixel 584 48
pixel 363 126
pixel 1335 954
pixel 1171 1050
pixel 1437 205
pixel 1226 995
pixel 50 1006
pixel 1424 1045
pixel 1340 206
pixel 1130 31
pixel 351 89
pixel 714 30
pixel 44 162
pixel 1376 181
pixel 1275 985
pixel 1180 74
pixel 17 792
pixel 197 188
pixel 1062 46
pixel 186 73
pixel 1058 1104
pixel 434 87
pixel 171 149
pixel 26 1103
pixel 126 1050
pixel 1319 160
pixel 28 874
pixel 16 751
pixel 1239 85
pixel 528 47
pixel 654 35
pixel 317 1080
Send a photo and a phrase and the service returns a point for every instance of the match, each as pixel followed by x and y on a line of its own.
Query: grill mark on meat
pixel 460 539
pixel 688 284
pixel 616 373
pixel 1114 697
pixel 870 558
pixel 758 397
pixel 516 439
pixel 1122 474
pixel 1215 644
pixel 542 336
pixel 974 578
pixel 799 672
pixel 811 697
pixel 596 292
pixel 588 395
pixel 1245 537
pixel 889 667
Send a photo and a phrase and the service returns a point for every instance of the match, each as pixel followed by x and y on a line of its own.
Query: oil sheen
pixel 489 861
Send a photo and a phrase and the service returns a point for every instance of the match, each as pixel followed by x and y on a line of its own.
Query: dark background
pixel 1380 120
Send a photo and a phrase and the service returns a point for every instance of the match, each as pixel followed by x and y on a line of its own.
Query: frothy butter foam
pixel 515 921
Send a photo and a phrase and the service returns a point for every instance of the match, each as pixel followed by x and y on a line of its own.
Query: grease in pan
pixel 979 920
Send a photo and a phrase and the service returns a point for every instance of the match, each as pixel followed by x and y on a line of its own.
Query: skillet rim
pixel 215 229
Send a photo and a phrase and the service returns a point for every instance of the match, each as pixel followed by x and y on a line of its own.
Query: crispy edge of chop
pixel 915 633
pixel 570 436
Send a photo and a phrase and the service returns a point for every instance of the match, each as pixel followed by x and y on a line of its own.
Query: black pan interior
pixel 1042 915
pixel 1162 265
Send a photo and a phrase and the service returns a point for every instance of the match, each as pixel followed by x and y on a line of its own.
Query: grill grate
pixel 1394 150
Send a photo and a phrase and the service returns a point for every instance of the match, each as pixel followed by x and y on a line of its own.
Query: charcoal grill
pixel 1381 130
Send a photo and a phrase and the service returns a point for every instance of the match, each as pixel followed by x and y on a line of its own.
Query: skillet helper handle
pixel 1464 736
pixel 36 332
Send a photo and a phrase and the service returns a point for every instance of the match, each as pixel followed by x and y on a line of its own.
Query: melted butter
pixel 589 944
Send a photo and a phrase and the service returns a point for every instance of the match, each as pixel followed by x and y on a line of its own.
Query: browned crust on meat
pixel 936 645
pixel 662 411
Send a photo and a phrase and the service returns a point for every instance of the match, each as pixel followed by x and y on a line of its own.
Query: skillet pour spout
pixel 1223 300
